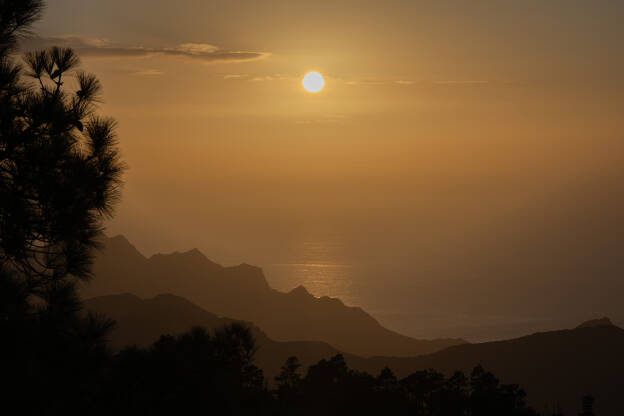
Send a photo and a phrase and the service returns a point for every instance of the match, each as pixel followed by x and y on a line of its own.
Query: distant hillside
pixel 142 321
pixel 596 322
pixel 241 292
pixel 553 367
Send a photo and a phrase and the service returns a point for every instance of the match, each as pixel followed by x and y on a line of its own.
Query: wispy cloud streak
pixel 101 48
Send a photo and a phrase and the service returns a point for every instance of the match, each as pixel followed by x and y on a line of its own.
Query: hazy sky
pixel 464 162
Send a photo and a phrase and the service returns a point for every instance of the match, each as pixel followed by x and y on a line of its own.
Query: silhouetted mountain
pixel 553 367
pixel 557 367
pixel 241 292
pixel 596 322
pixel 141 322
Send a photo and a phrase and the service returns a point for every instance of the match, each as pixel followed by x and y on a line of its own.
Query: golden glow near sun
pixel 313 82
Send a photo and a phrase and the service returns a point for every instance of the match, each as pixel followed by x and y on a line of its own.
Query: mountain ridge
pixel 242 292
pixel 604 321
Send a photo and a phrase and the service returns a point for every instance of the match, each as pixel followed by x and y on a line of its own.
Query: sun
pixel 313 82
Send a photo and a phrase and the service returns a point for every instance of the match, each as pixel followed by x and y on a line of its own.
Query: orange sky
pixel 445 127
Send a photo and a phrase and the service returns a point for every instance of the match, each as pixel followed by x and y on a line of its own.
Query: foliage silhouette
pixel 588 406
pixel 288 385
pixel 330 387
pixel 16 17
pixel 59 177
pixel 194 371
pixel 60 171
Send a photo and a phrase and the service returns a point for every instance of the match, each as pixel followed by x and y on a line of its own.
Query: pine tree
pixel 60 171
pixel 60 175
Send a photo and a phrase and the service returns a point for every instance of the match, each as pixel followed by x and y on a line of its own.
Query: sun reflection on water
pixel 317 264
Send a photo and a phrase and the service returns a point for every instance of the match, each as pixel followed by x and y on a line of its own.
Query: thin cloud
pixel 368 81
pixel 256 78
pixel 382 81
pixel 101 48
pixel 149 73
pixel 372 82
pixel 452 82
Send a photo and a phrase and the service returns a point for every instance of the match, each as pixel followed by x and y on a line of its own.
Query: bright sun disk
pixel 313 82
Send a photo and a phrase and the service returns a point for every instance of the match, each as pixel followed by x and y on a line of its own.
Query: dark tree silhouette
pixel 424 391
pixel 588 406
pixel 288 386
pixel 387 396
pixel 59 166
pixel 59 177
pixel 16 17
pixel 489 397
pixel 289 379
pixel 331 388
pixel 194 372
